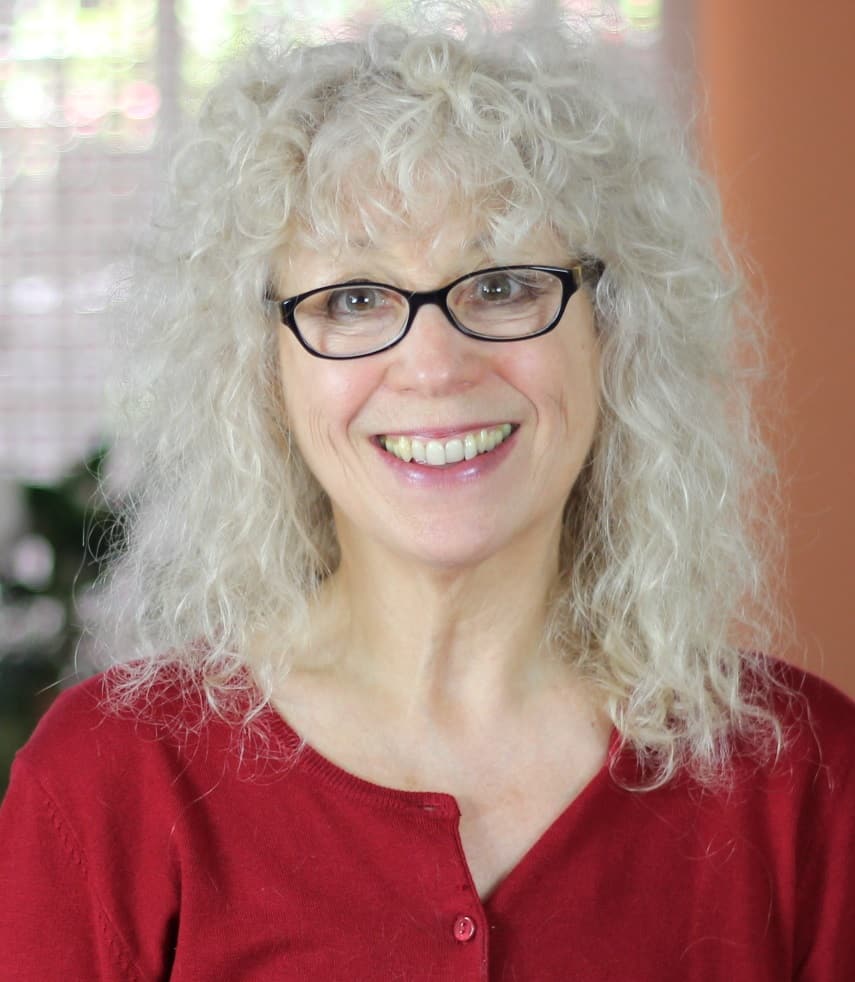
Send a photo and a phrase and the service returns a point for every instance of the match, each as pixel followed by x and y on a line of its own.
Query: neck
pixel 438 642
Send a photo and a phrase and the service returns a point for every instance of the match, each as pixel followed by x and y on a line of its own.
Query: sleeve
pixel 52 923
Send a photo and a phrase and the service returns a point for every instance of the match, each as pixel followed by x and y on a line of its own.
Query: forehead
pixel 417 250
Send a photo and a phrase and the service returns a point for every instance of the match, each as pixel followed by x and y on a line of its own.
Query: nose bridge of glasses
pixel 430 298
pixel 437 355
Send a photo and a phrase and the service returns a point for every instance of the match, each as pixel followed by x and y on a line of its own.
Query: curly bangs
pixel 669 531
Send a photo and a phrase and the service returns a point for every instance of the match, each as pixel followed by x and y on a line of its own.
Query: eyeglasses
pixel 361 318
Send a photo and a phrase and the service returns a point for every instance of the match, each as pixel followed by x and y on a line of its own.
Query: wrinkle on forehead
pixel 421 259
pixel 443 251
pixel 437 225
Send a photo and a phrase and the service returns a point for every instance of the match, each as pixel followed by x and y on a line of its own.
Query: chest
pixel 501 821
pixel 354 883
pixel 508 794
pixel 510 783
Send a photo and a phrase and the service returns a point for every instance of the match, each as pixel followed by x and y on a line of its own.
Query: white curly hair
pixel 665 590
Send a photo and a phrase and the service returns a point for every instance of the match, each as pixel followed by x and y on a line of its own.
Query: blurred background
pixel 91 89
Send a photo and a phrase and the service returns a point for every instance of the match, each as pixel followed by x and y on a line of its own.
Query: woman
pixel 442 564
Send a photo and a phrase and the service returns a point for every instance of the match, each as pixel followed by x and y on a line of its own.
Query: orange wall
pixel 779 77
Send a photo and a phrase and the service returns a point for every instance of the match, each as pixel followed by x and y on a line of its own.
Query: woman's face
pixel 439 385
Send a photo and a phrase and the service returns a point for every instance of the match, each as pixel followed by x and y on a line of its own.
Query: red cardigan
pixel 129 854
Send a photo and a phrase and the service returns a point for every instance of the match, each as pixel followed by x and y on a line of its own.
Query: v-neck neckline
pixel 428 807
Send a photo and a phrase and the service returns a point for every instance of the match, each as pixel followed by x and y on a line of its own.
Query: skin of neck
pixel 437 642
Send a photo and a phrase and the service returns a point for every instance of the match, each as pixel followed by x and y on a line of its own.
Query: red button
pixel 464 928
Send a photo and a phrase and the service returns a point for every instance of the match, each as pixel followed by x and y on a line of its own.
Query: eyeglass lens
pixel 359 318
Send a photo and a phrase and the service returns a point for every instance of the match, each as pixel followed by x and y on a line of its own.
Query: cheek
pixel 561 382
pixel 576 371
pixel 321 400
pixel 580 389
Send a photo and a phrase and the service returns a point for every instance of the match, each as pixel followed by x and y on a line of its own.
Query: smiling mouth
pixel 439 453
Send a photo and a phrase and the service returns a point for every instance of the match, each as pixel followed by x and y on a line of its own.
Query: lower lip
pixel 450 475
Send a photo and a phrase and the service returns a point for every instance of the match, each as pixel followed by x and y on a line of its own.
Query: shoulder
pixel 91 739
pixel 808 785
pixel 89 713
pixel 98 824
pixel 807 809
pixel 818 722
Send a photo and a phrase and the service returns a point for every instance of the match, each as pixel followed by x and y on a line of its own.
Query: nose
pixel 435 358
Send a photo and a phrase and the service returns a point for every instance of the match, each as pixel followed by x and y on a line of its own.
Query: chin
pixel 449 550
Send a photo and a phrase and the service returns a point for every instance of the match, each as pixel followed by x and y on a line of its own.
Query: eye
pixel 355 301
pixel 495 288
pixel 503 287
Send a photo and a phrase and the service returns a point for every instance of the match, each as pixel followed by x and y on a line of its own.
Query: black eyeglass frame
pixel 571 278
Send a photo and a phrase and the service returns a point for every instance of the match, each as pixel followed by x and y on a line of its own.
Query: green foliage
pixel 53 562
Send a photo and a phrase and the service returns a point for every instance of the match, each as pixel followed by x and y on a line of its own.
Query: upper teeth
pixel 437 453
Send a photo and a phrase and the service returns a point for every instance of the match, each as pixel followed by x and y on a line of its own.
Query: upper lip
pixel 446 432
